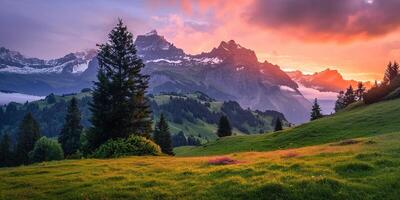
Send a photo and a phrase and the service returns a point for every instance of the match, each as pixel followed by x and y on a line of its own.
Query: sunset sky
pixel 357 37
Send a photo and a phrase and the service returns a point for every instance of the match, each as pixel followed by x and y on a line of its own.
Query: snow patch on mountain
pixel 31 70
pixel 208 60
pixel 79 68
pixel 286 88
pixel 164 60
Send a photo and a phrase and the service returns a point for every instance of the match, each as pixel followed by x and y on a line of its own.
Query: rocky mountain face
pixel 325 81
pixel 227 72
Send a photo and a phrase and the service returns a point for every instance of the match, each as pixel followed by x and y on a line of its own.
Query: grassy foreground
pixel 365 168
pixel 360 121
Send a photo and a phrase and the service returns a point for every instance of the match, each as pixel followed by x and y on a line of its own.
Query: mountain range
pixel 325 81
pixel 227 72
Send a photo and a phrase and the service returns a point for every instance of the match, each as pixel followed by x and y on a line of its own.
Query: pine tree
pixel 224 127
pixel 349 96
pixel 71 132
pixel 179 140
pixel 5 151
pixel 119 106
pixel 392 70
pixel 162 136
pixel 340 102
pixel 28 134
pixel 360 91
pixel 278 125
pixel 2 117
pixel 315 111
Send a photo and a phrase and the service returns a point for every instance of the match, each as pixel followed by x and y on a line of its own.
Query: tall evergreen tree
pixel 360 91
pixel 179 140
pixel 71 132
pixel 2 117
pixel 349 96
pixel 28 134
pixel 5 151
pixel 392 70
pixel 224 127
pixel 315 111
pixel 339 104
pixel 162 136
pixel 278 125
pixel 119 106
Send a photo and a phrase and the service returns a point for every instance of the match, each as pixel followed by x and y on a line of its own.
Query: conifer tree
pixel 360 91
pixel 5 151
pixel 315 111
pixel 179 140
pixel 278 125
pixel 71 132
pixel 119 106
pixel 162 136
pixel 339 104
pixel 349 96
pixel 28 134
pixel 224 127
pixel 392 70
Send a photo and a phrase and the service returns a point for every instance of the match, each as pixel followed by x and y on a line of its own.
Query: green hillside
pixel 194 114
pixel 354 154
pixel 359 121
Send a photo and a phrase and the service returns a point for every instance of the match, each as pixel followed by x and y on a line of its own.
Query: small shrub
pixel 222 161
pixel 353 168
pixel 132 146
pixel 46 150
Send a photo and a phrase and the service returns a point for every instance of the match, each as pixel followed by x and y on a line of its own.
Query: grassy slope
pixel 369 169
pixel 379 118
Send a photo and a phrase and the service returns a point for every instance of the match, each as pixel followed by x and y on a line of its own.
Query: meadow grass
pixel 360 121
pixel 366 168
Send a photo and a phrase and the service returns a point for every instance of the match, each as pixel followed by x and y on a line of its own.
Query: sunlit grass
pixel 365 169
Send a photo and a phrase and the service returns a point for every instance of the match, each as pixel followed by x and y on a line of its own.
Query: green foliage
pixel 224 127
pixel 179 140
pixel 119 106
pixel 392 70
pixel 51 98
pixel 28 134
pixel 316 111
pixel 71 132
pixel 162 136
pixel 349 96
pixel 360 91
pixel 131 146
pixel 353 168
pixel 278 125
pixel 46 150
pixel 6 155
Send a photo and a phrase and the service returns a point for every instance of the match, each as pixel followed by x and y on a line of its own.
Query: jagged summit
pixel 154 46
pixel 234 52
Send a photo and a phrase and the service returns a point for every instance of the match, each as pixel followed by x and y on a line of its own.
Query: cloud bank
pixel 336 20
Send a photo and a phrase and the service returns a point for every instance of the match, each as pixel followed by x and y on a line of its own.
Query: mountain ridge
pixel 253 84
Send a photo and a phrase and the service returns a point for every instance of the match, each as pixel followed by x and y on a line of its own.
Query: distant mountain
pixel 227 72
pixel 325 81
pixel 194 114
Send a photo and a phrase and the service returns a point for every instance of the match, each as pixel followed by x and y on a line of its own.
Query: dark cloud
pixel 338 20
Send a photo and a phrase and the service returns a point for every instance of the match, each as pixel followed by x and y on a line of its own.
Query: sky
pixel 357 37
